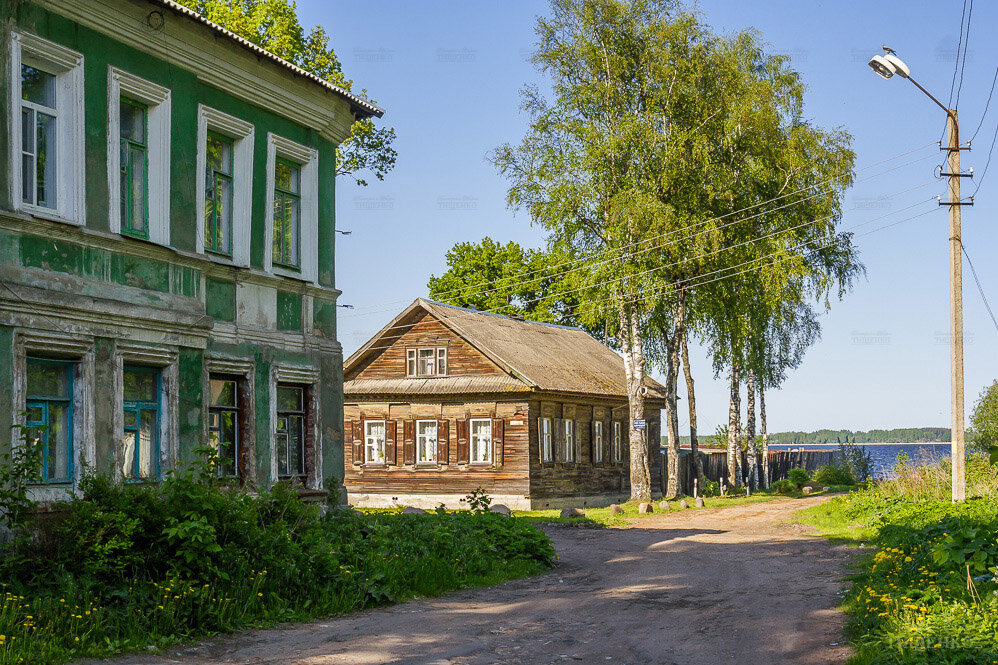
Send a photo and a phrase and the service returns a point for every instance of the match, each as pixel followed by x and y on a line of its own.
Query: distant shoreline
pixel 815 445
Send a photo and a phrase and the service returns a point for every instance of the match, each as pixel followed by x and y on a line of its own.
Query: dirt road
pixel 738 585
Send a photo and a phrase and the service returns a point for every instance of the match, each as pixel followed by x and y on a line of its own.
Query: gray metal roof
pixel 540 356
pixel 361 106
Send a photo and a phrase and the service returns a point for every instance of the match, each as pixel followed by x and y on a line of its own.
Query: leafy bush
pixel 710 488
pixel 930 592
pixel 857 460
pixel 834 475
pixel 784 486
pixel 129 566
pixel 798 477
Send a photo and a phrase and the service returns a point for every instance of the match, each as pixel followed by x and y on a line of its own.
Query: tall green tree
pixel 508 279
pixel 984 420
pixel 588 169
pixel 274 25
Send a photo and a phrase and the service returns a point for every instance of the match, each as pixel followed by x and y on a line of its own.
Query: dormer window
pixel 426 361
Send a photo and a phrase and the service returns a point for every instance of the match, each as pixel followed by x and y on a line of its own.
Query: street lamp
pixel 888 65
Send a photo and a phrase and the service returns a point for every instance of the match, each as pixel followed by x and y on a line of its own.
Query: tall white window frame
pixel 308 159
pixel 67 66
pixel 242 135
pixel 569 426
pixel 374 441
pixel 617 442
pixel 426 442
pixel 597 442
pixel 157 100
pixel 481 440
pixel 546 436
pixel 165 362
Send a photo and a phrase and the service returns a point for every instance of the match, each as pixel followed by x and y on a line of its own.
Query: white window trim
pixel 368 437
pixel 617 442
pixel 79 351
pixel 246 370
pixel 488 444
pixel 569 440
pixel 242 134
pixel 308 158
pixel 164 360
pixel 121 83
pixel 67 65
pixel 436 434
pixel 546 440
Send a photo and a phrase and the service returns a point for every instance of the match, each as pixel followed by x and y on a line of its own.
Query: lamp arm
pixel 929 95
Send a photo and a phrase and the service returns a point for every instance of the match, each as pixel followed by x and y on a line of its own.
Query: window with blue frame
pixel 49 421
pixel 141 386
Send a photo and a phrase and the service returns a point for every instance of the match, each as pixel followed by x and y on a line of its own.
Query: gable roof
pixel 540 356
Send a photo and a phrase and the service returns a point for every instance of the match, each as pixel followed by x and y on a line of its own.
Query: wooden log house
pixel 444 400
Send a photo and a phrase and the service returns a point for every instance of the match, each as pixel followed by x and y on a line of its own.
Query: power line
pixel 956 61
pixel 980 289
pixel 966 45
pixel 717 274
pixel 986 105
pixel 619 252
pixel 587 263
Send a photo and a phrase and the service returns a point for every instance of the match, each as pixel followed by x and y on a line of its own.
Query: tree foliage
pixel 984 419
pixel 274 25
pixel 508 279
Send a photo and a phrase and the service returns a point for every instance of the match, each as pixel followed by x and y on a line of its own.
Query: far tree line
pixel 685 194
pixel 836 436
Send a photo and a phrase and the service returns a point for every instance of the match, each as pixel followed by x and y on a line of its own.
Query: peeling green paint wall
pixel 288 310
pixel 6 380
pixel 220 299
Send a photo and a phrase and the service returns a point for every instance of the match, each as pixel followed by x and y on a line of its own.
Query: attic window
pixel 430 361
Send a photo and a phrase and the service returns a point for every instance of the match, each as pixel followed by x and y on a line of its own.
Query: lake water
pixel 885 454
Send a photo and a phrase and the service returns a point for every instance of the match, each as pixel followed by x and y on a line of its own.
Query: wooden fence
pixel 715 465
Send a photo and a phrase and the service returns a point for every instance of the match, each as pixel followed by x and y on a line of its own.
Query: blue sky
pixel 449 73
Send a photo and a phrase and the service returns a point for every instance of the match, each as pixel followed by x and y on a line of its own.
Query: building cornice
pixel 237 71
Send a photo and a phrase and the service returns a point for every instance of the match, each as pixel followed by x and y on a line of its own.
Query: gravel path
pixel 738 585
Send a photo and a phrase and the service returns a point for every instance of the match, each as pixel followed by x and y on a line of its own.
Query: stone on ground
pixel 644 508
pixel 499 508
pixel 413 510
pixel 572 512
pixel 806 489
pixel 664 505
pixel 683 504
pixel 699 502
pixel 616 510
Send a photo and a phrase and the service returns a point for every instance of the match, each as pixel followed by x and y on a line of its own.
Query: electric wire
pixel 717 274
pixel 980 289
pixel 987 104
pixel 956 61
pixel 966 45
pixel 619 253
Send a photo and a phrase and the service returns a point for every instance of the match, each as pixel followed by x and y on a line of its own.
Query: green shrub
pixel 834 475
pixel 798 477
pixel 783 486
pixel 129 566
pixel 710 488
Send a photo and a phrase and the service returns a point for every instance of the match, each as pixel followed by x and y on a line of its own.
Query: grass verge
pixel 133 568
pixel 928 591
pixel 602 517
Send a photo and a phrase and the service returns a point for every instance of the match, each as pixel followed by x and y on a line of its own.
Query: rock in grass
pixel 825 489
pixel 806 490
pixel 683 504
pixel 663 505
pixel 499 508
pixel 699 502
pixel 616 510
pixel 413 510
pixel 644 508
pixel 572 512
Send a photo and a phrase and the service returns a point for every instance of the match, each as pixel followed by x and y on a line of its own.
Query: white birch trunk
pixel 764 436
pixel 672 413
pixel 734 423
pixel 753 469
pixel 630 344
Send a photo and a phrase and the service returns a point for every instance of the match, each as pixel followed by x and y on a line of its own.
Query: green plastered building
pixel 167 240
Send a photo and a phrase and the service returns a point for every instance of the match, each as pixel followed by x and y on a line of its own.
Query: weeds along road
pixel 738 585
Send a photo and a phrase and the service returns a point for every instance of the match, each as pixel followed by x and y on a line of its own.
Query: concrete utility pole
pixel 888 65
pixel 957 450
